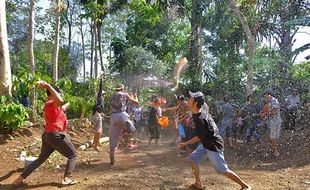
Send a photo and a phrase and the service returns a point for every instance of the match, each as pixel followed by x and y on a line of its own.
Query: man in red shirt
pixel 54 136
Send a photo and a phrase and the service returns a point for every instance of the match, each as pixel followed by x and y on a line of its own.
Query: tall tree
pixel 58 11
pixel 195 54
pixel 5 67
pixel 251 44
pixel 31 55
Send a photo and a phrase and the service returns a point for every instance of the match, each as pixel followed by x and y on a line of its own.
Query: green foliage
pixel 79 106
pixel 12 115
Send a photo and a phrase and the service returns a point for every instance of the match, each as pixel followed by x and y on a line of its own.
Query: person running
pixel 97 117
pixel 273 120
pixel 54 136
pixel 119 117
pixel 212 143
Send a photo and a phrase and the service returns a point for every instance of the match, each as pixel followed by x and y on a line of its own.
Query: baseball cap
pixel 268 91
pixel 196 94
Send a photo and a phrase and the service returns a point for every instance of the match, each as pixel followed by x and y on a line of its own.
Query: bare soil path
pixel 160 167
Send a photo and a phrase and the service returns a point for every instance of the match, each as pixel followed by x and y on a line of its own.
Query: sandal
pixel 246 188
pixel 193 186
pixel 69 182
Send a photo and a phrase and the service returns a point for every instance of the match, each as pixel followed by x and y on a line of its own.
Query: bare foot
pixel 197 186
pixel 18 181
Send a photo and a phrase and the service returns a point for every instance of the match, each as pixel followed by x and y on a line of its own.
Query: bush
pixel 12 115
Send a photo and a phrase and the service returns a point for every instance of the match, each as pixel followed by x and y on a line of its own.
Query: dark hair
pixel 200 101
pixel 181 97
pixel 55 88
pixel 156 100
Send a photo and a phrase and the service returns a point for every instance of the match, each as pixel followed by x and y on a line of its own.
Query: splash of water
pixel 178 69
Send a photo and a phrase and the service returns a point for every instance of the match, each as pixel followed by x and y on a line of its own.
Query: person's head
pixel 119 87
pixel 268 93
pixel 156 101
pixel 195 101
pixel 180 99
pixel 295 92
pixel 55 88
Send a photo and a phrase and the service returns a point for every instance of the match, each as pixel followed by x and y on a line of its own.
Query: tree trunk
pixel 91 48
pixel 195 56
pixel 100 48
pixel 95 49
pixel 32 66
pixel 83 53
pixel 5 67
pixel 69 22
pixel 251 44
pixel 56 42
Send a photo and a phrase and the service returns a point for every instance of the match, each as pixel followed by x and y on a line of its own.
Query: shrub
pixel 12 115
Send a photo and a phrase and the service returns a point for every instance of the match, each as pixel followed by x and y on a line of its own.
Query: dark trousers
pixel 291 118
pixel 154 131
pixel 50 142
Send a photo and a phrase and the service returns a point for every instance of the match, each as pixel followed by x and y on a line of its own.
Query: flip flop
pixel 247 188
pixel 69 182
pixel 193 186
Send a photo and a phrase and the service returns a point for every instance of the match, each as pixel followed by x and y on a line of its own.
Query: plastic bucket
pixel 163 122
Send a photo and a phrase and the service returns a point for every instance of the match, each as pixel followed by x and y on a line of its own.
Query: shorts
pixel 216 158
pixel 275 128
pixel 97 123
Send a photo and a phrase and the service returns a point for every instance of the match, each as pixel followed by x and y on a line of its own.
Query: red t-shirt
pixel 55 118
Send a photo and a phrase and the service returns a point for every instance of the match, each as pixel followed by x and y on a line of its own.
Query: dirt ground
pixel 161 167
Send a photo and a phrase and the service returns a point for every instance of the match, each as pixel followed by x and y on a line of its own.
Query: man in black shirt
pixel 211 143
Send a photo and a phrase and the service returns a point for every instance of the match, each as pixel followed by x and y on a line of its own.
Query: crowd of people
pixel 199 130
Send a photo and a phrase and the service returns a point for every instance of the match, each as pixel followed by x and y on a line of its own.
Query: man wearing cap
pixel 292 103
pixel 273 119
pixel 119 117
pixel 211 143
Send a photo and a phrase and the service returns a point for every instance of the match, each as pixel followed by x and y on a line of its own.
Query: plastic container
pixel 163 122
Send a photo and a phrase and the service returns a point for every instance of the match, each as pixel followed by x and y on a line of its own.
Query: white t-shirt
pixel 137 111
